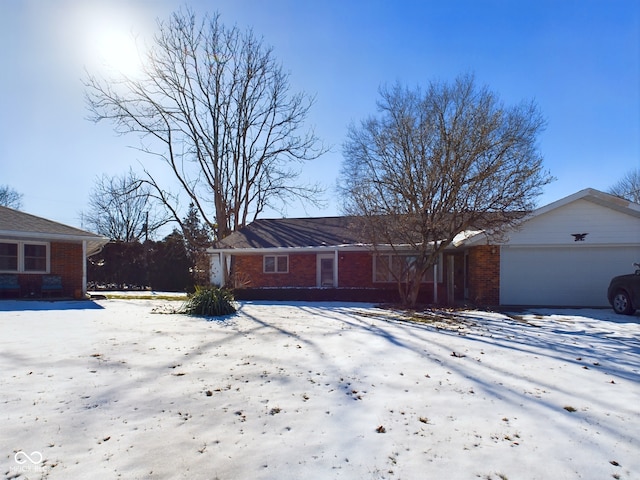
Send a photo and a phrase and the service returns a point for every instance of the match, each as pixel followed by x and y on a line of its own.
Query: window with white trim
pixel 8 257
pixel 391 267
pixel 24 257
pixel 276 263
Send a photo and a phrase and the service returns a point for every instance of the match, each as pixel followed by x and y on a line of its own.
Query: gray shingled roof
pixel 311 233
pixel 17 224
pixel 293 232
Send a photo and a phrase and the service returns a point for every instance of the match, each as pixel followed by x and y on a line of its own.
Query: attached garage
pixel 566 253
pixel 561 276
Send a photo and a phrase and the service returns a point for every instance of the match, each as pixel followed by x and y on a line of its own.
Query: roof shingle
pixel 293 232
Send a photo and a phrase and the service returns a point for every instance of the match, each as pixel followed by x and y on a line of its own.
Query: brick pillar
pixel 484 275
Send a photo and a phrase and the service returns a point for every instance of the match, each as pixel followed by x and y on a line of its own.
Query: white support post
pixel 435 282
pixel 84 268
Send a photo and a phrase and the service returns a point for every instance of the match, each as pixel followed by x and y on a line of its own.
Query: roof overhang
pixel 94 242
pixel 458 240
pixel 283 250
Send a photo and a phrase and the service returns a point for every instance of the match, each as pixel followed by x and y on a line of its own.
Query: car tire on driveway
pixel 622 303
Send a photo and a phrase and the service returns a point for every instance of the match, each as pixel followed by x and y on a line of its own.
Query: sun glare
pixel 118 51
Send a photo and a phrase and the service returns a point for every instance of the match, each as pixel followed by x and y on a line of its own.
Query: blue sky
pixel 579 60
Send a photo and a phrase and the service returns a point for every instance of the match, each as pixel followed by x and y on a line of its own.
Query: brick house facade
pixel 562 254
pixel 32 248
pixel 318 259
pixel 480 286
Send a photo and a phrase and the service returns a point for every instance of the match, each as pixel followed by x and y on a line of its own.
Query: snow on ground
pixel 115 389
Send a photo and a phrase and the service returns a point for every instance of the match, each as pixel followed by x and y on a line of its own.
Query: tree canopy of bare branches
pixel 628 187
pixel 10 197
pixel 432 164
pixel 122 208
pixel 215 106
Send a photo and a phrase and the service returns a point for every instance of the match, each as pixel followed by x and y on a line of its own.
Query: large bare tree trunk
pixel 215 106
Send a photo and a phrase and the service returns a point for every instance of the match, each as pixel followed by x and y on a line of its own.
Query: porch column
pixel 435 283
pixel 335 268
pixel 84 268
pixel 450 280
pixel 223 268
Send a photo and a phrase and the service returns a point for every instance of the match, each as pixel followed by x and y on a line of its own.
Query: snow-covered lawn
pixel 114 389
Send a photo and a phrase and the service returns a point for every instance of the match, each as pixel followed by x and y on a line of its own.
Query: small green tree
pixel 198 237
pixel 169 264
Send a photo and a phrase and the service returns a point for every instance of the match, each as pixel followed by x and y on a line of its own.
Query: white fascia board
pixel 596 196
pixel 94 242
pixel 50 236
pixel 317 249
pixel 284 250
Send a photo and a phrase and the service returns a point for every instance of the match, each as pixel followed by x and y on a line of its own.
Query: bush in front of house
pixel 209 302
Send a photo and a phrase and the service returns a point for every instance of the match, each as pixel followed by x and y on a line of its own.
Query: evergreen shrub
pixel 210 302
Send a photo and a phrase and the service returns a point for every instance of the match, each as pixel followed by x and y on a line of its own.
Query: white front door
pixel 325 270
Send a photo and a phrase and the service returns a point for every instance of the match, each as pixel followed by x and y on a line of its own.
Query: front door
pixel 325 272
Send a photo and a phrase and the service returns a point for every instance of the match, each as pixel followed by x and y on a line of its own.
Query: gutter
pixel 94 242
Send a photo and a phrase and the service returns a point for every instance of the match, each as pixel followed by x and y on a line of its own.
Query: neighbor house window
pixel 393 267
pixel 276 263
pixel 35 258
pixel 8 257
pixel 27 257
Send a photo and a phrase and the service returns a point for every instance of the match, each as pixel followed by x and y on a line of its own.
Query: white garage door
pixel 561 276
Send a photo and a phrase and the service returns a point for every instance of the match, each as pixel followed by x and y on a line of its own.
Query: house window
pixel 24 257
pixel 392 267
pixel 9 257
pixel 276 263
pixel 35 258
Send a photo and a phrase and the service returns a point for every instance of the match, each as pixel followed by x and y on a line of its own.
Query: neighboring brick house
pixel 34 249
pixel 324 259
pixel 562 254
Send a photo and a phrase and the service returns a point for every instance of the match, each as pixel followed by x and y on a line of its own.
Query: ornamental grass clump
pixel 210 302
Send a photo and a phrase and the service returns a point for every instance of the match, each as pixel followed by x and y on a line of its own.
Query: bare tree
pixel 628 187
pixel 437 163
pixel 123 209
pixel 214 105
pixel 10 197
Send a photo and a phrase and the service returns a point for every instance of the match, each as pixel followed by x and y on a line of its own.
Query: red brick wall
pixel 484 275
pixel 66 260
pixel 248 272
pixel 355 270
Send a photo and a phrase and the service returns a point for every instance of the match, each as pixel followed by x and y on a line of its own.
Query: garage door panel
pixel 561 276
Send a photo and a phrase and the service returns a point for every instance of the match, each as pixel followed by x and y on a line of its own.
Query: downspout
pixel 335 270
